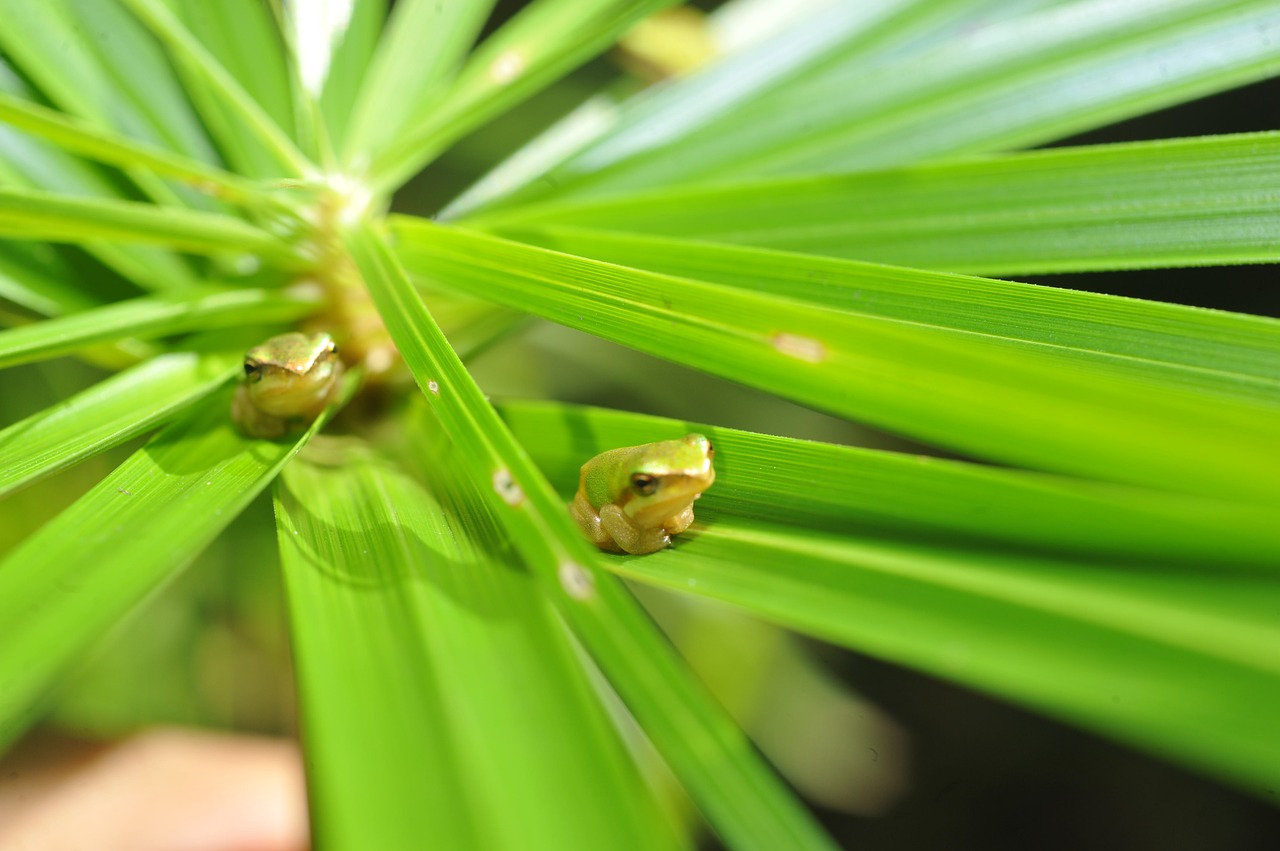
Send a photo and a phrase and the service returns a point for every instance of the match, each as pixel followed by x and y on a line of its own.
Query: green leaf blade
pixel 106 415
pixel 44 216
pixel 974 392
pixel 348 64
pixel 101 145
pixel 145 521
pixel 546 40
pixel 29 162
pixel 377 570
pixel 871 493
pixel 96 62
pixel 1215 351
pixel 739 795
pixel 1060 210
pixel 1004 84
pixel 1116 659
pixel 249 124
pixel 150 317
pixel 422 47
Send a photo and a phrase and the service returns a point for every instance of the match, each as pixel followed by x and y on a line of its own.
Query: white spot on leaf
pixel 801 348
pixel 576 581
pixel 507 67
pixel 507 487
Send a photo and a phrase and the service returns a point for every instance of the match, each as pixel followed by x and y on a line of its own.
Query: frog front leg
pixel 630 537
pixel 589 522
pixel 679 522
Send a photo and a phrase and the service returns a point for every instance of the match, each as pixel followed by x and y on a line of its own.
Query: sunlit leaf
pixel 1004 83
pixel 1061 210
pixel 738 794
pixel 150 317
pixel 547 39
pixel 422 47
pixel 107 414
pixel 1056 409
pixel 28 214
pixel 142 523
pixel 376 570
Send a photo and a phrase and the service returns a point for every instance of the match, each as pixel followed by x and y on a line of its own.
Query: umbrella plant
pixel 833 210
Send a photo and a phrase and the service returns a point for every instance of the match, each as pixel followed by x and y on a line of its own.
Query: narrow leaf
pixel 142 523
pixel 107 414
pixel 351 51
pixel 36 277
pixel 1039 407
pixel 31 162
pixel 816 35
pixel 421 48
pixel 375 569
pixel 247 118
pixel 1214 351
pixel 242 36
pixel 1177 662
pixel 28 214
pixel 869 493
pixel 1008 83
pixel 546 40
pixel 95 62
pixel 93 142
pixel 739 795
pixel 150 317
pixel 1061 210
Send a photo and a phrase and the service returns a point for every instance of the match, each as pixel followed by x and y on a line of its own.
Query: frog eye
pixel 644 484
pixel 252 370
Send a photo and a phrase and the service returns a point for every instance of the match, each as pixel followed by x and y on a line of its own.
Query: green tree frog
pixel 288 381
pixel 635 498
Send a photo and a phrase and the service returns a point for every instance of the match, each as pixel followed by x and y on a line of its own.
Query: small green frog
pixel 288 381
pixel 635 498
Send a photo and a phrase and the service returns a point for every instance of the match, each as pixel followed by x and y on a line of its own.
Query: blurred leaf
pixel 232 113
pixel 1176 661
pixel 37 278
pixel 94 61
pixel 142 523
pixel 999 85
pixel 30 214
pixel 92 142
pixel 377 571
pixel 421 48
pixel 1061 210
pixel 350 53
pixel 1056 409
pixel 243 37
pixel 866 492
pixel 150 317
pixel 850 36
pixel 27 161
pixel 107 414
pixel 546 40
pixel 739 795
